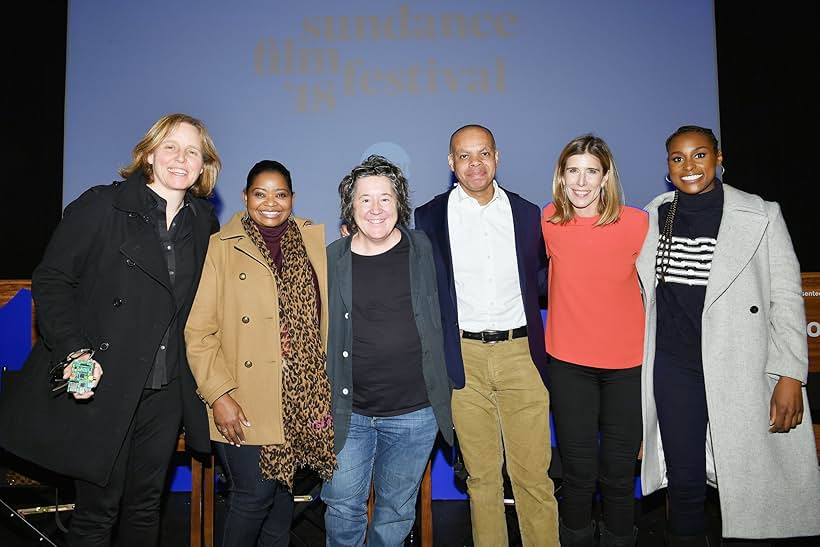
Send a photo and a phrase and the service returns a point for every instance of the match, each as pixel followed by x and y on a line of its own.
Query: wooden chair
pixel 202 498
pixel 202 473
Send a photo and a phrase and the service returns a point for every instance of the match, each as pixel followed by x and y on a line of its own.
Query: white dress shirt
pixel 485 264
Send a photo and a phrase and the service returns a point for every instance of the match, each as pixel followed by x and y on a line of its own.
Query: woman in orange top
pixel 595 340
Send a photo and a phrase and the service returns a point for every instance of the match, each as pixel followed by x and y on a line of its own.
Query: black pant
pixel 597 415
pixel 259 511
pixel 680 397
pixel 131 499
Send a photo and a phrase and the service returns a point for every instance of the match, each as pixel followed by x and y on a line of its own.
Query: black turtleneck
pixel 680 298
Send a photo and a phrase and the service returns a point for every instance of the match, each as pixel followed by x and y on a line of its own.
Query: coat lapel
pixel 242 243
pixel 415 278
pixel 441 231
pixel 141 246
pixel 520 234
pixel 344 273
pixel 143 250
pixel 248 247
pixel 741 229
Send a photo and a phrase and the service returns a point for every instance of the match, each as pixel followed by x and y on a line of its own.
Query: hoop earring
pixel 668 179
pixel 722 170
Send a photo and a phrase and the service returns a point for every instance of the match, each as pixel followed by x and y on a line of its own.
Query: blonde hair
pixel 211 164
pixel 612 197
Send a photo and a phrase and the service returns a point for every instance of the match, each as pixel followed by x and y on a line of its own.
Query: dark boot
pixel 608 539
pixel 585 537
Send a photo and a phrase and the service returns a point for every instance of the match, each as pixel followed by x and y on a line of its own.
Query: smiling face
pixel 473 159
pixel 584 180
pixel 268 199
pixel 177 161
pixel 692 160
pixel 375 211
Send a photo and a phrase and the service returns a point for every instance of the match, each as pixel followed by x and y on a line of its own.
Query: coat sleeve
pixel 788 350
pixel 203 333
pixel 68 260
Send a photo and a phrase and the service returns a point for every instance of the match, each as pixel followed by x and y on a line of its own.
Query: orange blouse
pixel 595 316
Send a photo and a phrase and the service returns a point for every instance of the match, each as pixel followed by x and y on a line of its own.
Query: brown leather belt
pixel 489 336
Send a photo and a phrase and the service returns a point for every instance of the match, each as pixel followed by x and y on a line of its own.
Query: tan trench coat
pixel 232 334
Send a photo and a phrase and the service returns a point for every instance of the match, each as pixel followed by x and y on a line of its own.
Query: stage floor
pixel 451 522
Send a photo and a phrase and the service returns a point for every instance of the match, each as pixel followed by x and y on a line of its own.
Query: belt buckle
pixel 485 341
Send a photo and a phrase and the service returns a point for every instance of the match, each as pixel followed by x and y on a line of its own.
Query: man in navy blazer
pixel 490 269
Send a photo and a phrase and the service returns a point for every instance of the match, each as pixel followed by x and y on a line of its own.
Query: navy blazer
pixel 532 274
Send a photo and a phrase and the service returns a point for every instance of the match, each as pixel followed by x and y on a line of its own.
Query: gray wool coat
pixel 753 332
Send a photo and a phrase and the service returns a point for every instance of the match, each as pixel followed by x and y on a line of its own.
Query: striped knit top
pixel 680 297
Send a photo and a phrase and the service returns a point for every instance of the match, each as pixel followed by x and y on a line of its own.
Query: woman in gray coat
pixel 385 360
pixel 725 357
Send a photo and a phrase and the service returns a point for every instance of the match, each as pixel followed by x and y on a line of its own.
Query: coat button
pixel 246 319
pixel 347 315
pixel 345 391
pixel 130 262
pixel 345 354
pixel 117 302
pixel 753 309
pixel 242 276
pixel 104 346
pixel 248 364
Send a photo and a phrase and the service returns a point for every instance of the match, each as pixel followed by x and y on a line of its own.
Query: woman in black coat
pixel 115 286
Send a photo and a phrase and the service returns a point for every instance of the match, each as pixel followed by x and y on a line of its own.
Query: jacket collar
pixel 234 230
pixel 743 224
pixel 132 197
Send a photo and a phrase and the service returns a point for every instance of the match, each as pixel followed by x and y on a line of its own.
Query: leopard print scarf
pixel 305 387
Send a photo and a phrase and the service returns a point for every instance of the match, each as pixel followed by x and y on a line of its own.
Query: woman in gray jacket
pixel 390 391
pixel 725 357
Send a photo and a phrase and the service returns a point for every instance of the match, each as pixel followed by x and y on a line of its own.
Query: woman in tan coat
pixel 256 340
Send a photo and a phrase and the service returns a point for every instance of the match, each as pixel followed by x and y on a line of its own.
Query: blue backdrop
pixel 320 85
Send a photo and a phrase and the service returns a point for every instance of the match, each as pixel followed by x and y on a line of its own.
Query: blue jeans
pixel 392 452
pixel 259 511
